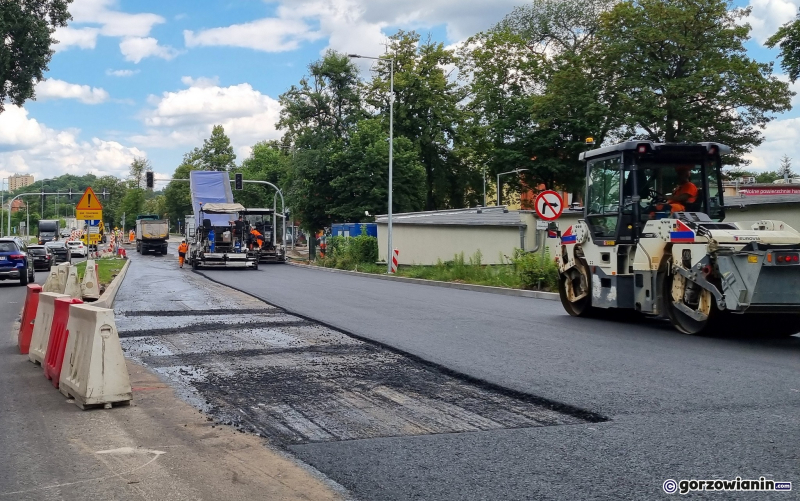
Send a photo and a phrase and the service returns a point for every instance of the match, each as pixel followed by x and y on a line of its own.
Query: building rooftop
pixel 745 200
pixel 481 216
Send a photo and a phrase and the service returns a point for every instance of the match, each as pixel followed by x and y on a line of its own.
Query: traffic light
pixel 149 179
pixel 239 181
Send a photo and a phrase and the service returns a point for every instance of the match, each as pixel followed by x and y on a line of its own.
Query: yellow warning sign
pixel 89 207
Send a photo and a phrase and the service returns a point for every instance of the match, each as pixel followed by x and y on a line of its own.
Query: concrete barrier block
pixel 90 286
pixel 41 326
pixel 72 287
pixel 63 273
pixel 51 284
pixel 94 371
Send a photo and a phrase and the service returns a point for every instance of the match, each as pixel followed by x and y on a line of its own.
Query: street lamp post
pixel 2 203
pixel 484 185
pixel 391 146
pixel 498 181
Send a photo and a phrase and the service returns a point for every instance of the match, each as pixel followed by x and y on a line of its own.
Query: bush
pixel 347 253
pixel 532 271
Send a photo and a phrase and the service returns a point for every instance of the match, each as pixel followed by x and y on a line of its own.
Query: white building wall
pixel 788 213
pixel 426 244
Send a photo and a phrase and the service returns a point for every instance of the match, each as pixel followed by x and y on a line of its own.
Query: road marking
pixel 156 455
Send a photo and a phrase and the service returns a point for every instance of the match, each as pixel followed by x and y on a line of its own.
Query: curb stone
pixel 550 296
pixel 107 299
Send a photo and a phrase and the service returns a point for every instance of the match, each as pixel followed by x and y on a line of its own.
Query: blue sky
pixel 150 78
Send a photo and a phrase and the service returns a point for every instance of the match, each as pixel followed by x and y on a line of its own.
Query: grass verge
pixel 107 268
pixel 521 271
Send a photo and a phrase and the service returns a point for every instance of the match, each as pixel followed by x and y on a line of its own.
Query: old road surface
pixel 671 406
pixel 159 448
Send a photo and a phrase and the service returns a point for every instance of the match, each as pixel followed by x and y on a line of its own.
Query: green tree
pixel 319 115
pixel 269 161
pixel 682 73
pixel 785 169
pixel 361 179
pixel 26 27
pixel 534 92
pixel 426 111
pixel 217 152
pixel 132 205
pixel 787 38
pixel 136 172
pixel 156 205
pixel 117 191
pixel 177 198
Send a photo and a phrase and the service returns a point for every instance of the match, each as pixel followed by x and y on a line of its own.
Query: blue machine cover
pixel 210 187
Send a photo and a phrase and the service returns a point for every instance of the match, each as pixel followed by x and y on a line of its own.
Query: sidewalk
pixel 159 448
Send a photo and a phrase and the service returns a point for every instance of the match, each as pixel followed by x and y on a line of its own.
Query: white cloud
pixel 113 23
pixel 269 35
pixel 185 117
pixel 121 73
pixel 29 146
pixel 352 25
pixel 136 48
pixel 200 82
pixel 768 15
pixel 103 18
pixel 59 89
pixel 85 38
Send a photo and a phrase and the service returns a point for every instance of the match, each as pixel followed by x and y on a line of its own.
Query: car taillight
pixel 787 257
pixel 17 256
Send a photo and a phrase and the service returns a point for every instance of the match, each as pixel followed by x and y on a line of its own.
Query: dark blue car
pixel 15 262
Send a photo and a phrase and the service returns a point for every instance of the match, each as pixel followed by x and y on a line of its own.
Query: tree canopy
pixel 26 28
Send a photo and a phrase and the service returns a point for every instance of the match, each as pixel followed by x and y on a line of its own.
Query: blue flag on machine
pixel 210 187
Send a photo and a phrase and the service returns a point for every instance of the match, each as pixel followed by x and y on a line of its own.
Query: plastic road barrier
pixel 94 370
pixel 41 326
pixel 59 334
pixel 395 256
pixel 28 317
pixel 90 288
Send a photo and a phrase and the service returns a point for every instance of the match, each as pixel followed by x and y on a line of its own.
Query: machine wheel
pixel 684 322
pixel 164 249
pixel 576 282
pixel 138 247
pixel 195 264
pixel 255 266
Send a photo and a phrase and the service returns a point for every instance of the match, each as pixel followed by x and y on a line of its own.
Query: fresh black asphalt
pixel 680 407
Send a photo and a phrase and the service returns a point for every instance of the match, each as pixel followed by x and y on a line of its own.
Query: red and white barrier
pixel 395 256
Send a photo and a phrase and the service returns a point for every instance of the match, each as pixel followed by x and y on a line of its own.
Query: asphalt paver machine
pixel 263 221
pixel 217 239
pixel 217 245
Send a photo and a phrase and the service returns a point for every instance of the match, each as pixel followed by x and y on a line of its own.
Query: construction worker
pixel 183 248
pixel 257 237
pixel 131 237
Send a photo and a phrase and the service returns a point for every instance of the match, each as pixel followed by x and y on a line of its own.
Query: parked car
pixel 15 262
pixel 60 251
pixel 76 248
pixel 42 257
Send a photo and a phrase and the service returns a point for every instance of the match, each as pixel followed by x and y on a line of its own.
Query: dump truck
pixel 48 230
pixel 653 241
pixel 152 233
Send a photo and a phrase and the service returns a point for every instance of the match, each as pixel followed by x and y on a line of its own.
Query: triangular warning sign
pixel 89 201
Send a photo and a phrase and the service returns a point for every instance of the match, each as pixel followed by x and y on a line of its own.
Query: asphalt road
pixel 679 407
